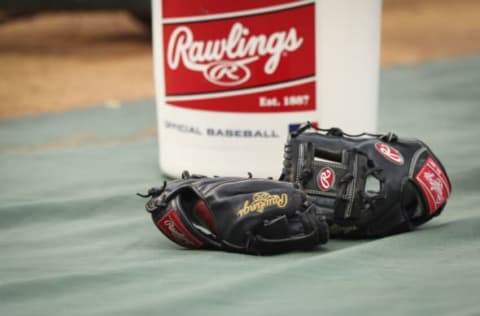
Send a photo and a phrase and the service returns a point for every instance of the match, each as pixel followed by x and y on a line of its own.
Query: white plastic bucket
pixel 233 78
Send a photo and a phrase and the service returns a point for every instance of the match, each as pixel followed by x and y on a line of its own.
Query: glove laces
pixel 335 131
pixel 154 191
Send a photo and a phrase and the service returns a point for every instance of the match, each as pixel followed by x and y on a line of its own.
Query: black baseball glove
pixel 374 185
pixel 254 216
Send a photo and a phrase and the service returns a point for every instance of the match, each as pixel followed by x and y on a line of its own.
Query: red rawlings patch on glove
pixel 171 225
pixel 434 184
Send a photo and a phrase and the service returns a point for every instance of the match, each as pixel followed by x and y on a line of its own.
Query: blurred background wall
pixel 58 55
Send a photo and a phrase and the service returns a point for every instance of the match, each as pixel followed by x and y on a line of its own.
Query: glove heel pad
pixel 185 219
pixel 434 183
pixel 173 227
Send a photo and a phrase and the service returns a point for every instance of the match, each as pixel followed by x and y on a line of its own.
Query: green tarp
pixel 75 240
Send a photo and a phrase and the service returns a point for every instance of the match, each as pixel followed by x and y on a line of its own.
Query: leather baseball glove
pixel 374 185
pixel 248 215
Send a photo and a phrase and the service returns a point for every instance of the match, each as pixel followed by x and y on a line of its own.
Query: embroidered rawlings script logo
pixel 176 234
pixel 224 61
pixel 261 201
pixel 436 187
pixel 171 225
pixel 434 184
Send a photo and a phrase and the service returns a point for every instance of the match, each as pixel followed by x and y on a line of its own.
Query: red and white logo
pixel 225 61
pixel 390 153
pixel 326 179
pixel 434 184
pixel 233 59
pixel 171 225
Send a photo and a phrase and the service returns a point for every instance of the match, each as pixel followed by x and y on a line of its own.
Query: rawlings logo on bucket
pixel 223 61
pixel 390 153
pixel 258 59
pixel 326 179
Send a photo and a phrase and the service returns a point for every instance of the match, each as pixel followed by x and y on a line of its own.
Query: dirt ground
pixel 53 62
